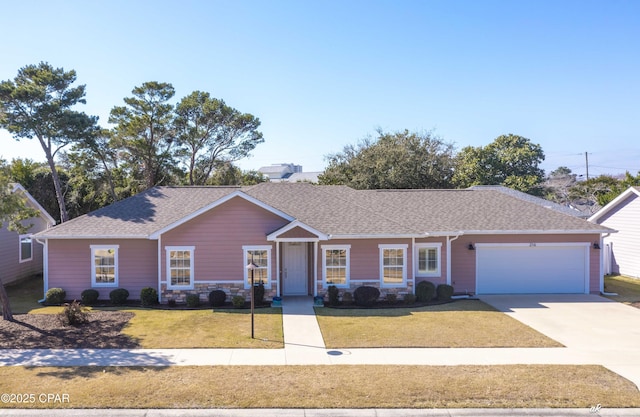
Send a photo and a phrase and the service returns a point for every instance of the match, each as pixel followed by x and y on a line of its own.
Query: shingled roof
pixel 337 211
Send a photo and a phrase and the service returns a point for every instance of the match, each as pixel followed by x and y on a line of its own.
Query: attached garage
pixel 532 268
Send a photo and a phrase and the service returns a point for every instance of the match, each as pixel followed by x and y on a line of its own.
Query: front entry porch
pixel 297 266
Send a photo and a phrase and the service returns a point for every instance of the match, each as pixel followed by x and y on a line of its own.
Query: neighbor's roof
pixel 337 211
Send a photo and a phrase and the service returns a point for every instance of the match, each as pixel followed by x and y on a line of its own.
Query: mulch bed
pixel 45 331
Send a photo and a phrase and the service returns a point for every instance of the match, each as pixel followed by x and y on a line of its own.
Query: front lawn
pixel 628 289
pixel 147 328
pixel 463 323
pixel 357 386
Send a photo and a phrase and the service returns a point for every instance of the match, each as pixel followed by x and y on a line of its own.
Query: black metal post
pixel 252 302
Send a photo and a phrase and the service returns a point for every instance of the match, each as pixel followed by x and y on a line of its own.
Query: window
pixel 104 266
pixel 261 256
pixel 335 265
pixel 393 265
pixel 180 267
pixel 428 259
pixel 26 248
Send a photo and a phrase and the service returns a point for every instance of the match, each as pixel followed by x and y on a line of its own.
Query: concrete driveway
pixel 598 330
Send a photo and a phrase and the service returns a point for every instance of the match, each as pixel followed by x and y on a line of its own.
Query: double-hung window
pixel 428 259
pixel 104 265
pixel 335 265
pixel 26 248
pixel 261 257
pixel 180 267
pixel 393 265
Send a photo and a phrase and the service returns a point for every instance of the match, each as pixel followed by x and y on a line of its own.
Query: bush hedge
pixel 334 295
pixel 118 296
pixel 89 297
pixel 258 293
pixel 444 292
pixel 193 300
pixel 366 296
pixel 55 296
pixel 425 291
pixel 217 298
pixel 148 296
pixel 238 301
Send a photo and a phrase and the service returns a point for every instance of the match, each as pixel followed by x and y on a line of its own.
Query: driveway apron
pixel 594 328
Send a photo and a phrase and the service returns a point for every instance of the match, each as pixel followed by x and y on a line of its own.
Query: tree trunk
pixel 6 306
pixel 64 216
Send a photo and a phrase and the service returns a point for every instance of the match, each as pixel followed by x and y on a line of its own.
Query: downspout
pixel 449 240
pixel 602 249
pixel 315 268
pixel 159 268
pixel 45 268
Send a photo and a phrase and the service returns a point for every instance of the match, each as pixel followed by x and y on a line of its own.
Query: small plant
pixel 444 292
pixel 89 297
pixel 217 298
pixel 148 296
pixel 347 298
pixel 392 298
pixel 238 301
pixel 334 295
pixel 409 298
pixel 258 293
pixel 171 302
pixel 74 314
pixel 193 300
pixel 118 296
pixel 366 296
pixel 425 291
pixel 55 296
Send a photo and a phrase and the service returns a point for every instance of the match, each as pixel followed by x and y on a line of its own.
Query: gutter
pixel 45 268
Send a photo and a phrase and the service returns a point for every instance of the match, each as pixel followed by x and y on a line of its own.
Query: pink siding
pixel 10 266
pixel 625 245
pixel 463 261
pixel 70 265
pixel 218 237
pixel 298 232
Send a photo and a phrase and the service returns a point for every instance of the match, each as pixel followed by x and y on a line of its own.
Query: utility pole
pixel 586 159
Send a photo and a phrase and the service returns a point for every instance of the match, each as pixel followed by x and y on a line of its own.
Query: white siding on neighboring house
pixel 625 245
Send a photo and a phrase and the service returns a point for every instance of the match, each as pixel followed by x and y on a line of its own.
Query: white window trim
pixel 245 257
pixel 20 237
pixel 405 248
pixel 168 249
pixel 115 266
pixel 346 248
pixel 416 259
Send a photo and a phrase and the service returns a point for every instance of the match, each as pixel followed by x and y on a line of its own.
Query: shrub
pixel 409 298
pixel 118 296
pixel 334 295
pixel 238 301
pixel 366 296
pixel 193 300
pixel 89 297
pixel 217 298
pixel 347 298
pixel 392 298
pixel 258 293
pixel 172 302
pixel 55 296
pixel 148 296
pixel 425 291
pixel 74 314
pixel 444 292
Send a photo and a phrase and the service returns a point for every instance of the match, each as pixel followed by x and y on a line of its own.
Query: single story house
pixel 305 237
pixel 622 249
pixel 19 256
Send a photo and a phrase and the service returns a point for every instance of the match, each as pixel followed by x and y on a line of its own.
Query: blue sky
pixel 323 74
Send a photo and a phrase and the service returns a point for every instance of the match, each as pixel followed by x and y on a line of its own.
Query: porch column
pixel 315 268
pixel 278 268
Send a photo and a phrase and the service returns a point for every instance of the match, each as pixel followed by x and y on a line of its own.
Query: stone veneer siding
pixel 399 292
pixel 203 290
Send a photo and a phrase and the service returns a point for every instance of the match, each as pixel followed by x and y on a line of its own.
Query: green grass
pixel 463 323
pixel 628 289
pixel 357 386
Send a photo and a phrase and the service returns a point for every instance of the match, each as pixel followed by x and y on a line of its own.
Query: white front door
pixel 294 271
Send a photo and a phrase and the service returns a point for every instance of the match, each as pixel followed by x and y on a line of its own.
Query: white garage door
pixel 532 268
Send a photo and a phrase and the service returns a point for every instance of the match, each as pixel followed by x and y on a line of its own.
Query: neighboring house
pixel 288 173
pixel 533 199
pixel 20 254
pixel 306 237
pixel 622 248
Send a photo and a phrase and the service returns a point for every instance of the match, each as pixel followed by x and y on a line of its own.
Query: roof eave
pixel 613 203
